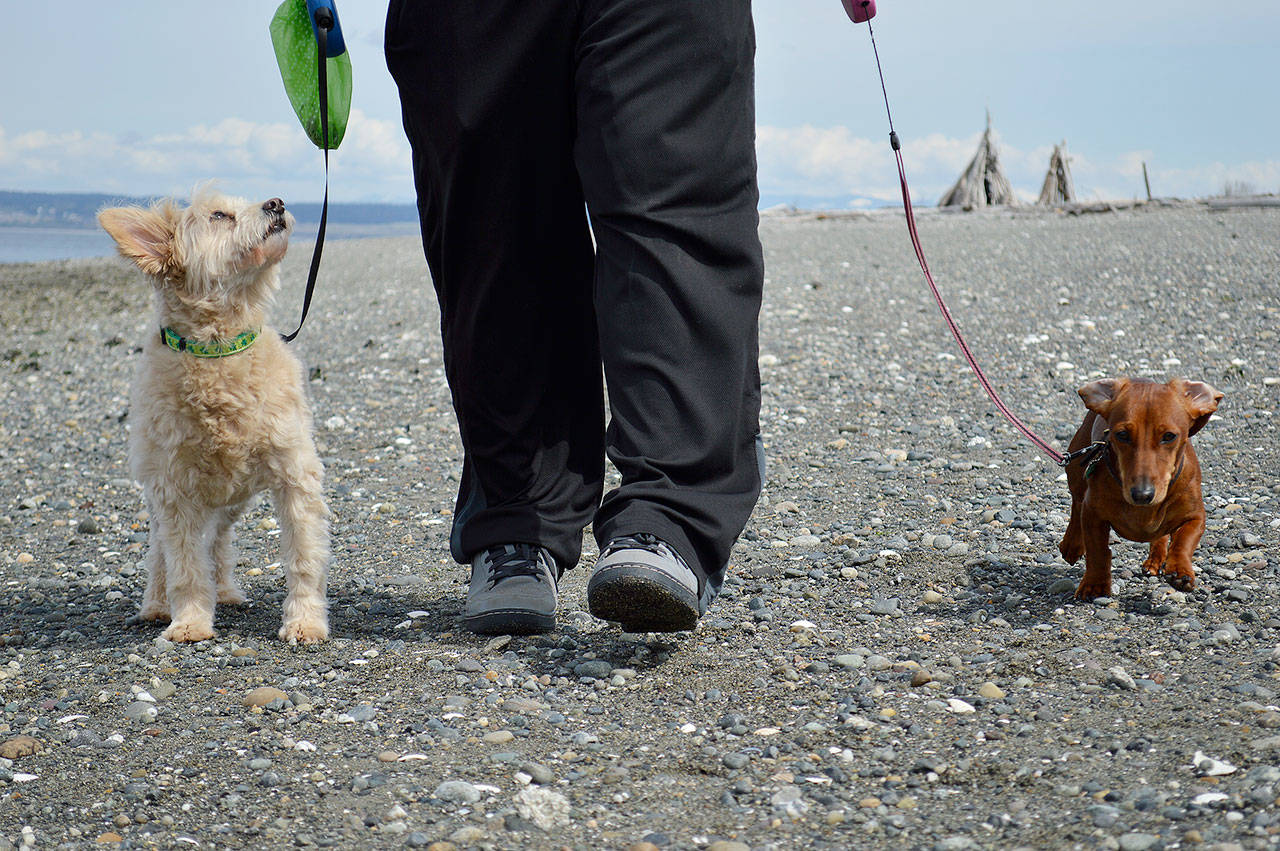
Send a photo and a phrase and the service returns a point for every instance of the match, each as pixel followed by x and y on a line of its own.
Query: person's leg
pixel 487 96
pixel 666 152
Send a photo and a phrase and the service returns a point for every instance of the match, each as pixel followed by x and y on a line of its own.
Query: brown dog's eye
pixel 1168 437
pixel 1122 436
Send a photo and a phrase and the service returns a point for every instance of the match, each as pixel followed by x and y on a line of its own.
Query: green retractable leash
pixel 312 55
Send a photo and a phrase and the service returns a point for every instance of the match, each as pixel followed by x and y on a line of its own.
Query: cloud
pixel 822 162
pixel 373 163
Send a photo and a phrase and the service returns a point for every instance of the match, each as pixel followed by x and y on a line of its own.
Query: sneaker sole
pixel 510 622
pixel 642 599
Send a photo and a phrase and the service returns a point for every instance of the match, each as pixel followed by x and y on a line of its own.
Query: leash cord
pixel 323 24
pixel 1009 415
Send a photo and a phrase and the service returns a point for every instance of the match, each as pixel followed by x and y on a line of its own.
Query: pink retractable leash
pixel 862 11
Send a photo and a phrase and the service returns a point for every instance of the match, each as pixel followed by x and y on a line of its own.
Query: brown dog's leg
pixel 1154 565
pixel 1097 557
pixel 1072 545
pixel 1178 571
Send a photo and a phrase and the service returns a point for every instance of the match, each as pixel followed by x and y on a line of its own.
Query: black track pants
pixel 523 115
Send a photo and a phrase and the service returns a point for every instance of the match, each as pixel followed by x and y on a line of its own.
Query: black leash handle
pixel 324 23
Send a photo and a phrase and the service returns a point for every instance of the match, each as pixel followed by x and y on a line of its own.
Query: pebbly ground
pixel 896 662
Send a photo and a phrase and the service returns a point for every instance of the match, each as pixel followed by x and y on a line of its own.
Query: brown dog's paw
pixel 1153 567
pixel 1071 550
pixel 1181 581
pixel 304 633
pixel 1089 589
pixel 182 633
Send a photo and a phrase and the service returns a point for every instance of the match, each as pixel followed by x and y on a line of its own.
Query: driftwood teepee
pixel 983 184
pixel 1058 188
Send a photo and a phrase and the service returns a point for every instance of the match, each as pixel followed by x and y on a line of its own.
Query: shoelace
pixel 519 560
pixel 643 541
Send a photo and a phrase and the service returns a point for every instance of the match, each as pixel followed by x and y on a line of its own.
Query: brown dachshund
pixel 1133 470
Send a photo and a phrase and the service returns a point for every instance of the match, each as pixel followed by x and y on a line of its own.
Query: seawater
pixel 32 245
pixel 28 245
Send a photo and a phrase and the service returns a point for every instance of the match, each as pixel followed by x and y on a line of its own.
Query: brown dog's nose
pixel 275 205
pixel 1142 494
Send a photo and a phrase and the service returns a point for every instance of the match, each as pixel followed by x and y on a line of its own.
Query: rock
pixel 885 606
pixel 540 774
pixel 20 746
pixel 991 691
pixel 263 695
pixel 1207 766
pixel 468 836
pixel 359 713
pixel 457 792
pixel 959 707
pixel 1119 677
pixel 596 669
pixel 1063 586
pixel 544 807
pixel 789 801
pixel 728 845
pixel 498 737
pixel 140 710
pixel 1138 841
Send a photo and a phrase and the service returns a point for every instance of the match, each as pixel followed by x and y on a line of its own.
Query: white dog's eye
pixel 218 214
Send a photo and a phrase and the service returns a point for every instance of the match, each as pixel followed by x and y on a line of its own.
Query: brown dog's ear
pixel 1098 395
pixel 1201 400
pixel 145 236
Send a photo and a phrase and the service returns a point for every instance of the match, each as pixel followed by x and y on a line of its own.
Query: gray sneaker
pixel 513 591
pixel 641 582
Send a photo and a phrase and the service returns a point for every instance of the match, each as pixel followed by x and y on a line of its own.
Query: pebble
pixel 457 792
pixel 358 714
pixel 1119 677
pixel 141 710
pixel 991 691
pixel 544 807
pixel 596 669
pixel 20 746
pixel 1138 841
pixel 263 695
pixel 728 845
pixel 540 774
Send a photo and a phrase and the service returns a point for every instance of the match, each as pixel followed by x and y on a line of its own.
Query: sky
pixel 151 97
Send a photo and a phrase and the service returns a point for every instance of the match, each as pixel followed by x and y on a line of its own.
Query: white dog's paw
pixel 151 612
pixel 231 595
pixel 186 632
pixel 305 632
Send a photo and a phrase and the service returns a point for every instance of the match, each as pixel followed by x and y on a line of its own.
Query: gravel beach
pixel 897 660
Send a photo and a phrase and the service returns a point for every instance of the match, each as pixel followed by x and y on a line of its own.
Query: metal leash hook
pixel 862 11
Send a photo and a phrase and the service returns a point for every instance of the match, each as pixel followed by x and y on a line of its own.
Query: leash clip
pixel 1088 453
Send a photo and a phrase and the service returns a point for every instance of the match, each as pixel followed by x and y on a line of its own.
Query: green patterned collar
pixel 211 349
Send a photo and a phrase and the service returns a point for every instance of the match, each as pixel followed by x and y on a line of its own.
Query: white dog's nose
pixel 275 205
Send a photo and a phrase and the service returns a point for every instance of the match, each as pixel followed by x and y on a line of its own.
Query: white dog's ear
pixel 145 236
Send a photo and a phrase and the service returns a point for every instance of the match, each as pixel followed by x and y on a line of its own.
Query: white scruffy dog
pixel 218 412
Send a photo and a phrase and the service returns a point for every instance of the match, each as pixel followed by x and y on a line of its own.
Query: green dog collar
pixel 211 349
